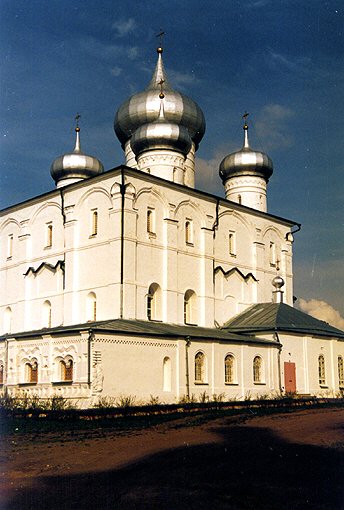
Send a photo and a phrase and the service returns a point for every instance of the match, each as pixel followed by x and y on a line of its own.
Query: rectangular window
pixel 10 246
pixel 94 223
pixel 49 235
pixel 150 221
pixel 341 371
pixel 232 244
pixel 272 254
pixel 188 232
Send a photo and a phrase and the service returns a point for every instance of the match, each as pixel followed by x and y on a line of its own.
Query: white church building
pixel 133 282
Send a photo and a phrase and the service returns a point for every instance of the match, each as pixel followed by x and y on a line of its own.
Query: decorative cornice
pixel 59 265
pixel 235 270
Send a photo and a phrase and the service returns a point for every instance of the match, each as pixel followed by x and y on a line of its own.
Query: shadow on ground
pixel 251 469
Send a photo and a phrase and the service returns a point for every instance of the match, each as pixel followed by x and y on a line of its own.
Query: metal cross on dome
pixel 160 35
pixel 161 95
pixel 246 114
pixel 77 118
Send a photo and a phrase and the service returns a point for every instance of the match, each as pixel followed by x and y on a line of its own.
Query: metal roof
pixel 265 317
pixel 146 328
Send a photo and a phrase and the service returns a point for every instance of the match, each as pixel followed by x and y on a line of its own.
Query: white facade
pixel 58 257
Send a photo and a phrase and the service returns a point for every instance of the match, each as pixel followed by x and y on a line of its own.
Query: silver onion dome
pixel 161 134
pixel 75 165
pixel 246 162
pixel 143 108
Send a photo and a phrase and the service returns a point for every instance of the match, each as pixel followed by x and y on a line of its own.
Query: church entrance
pixel 290 377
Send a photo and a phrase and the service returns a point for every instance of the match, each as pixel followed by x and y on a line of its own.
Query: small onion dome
pixel 278 282
pixel 246 162
pixel 161 134
pixel 143 108
pixel 75 165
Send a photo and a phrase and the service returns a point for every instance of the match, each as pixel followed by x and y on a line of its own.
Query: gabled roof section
pixel 146 328
pixel 268 317
pixel 45 265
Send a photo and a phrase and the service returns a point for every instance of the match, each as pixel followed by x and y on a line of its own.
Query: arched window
pixel 8 320
pixel 154 302
pixel 257 369
pixel 340 371
pixel 190 307
pixel 66 370
pixel 49 236
pixel 1 373
pixel 46 314
pixel 31 372
pixel 167 375
pixel 200 367
pixel 229 369
pixel 188 232
pixel 91 307
pixel 321 370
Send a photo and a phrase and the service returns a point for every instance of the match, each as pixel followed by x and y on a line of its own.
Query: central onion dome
pixel 246 162
pixel 161 134
pixel 74 166
pixel 144 108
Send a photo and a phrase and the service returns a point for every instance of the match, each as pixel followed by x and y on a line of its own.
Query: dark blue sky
pixel 282 61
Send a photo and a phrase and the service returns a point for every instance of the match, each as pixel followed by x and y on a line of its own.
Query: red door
pixel 290 377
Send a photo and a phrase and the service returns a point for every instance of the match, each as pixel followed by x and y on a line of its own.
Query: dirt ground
pixel 282 461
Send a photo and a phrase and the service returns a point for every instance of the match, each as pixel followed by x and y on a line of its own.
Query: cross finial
pixel 161 95
pixel 245 117
pixel 77 118
pixel 277 265
pixel 160 35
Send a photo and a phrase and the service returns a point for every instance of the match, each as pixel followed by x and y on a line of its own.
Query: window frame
pixel 258 370
pixel 167 374
pixel 49 235
pixel 200 368
pixel 94 222
pixel 10 242
pixel 272 254
pixel 91 307
pixel 47 314
pixel 67 370
pixel 150 222
pixel 153 302
pixel 322 370
pixel 190 308
pixel 232 243
pixel 31 372
pixel 340 365
pixel 188 231
pixel 230 376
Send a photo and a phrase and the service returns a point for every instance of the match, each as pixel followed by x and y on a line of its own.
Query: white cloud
pixel 207 172
pixel 179 80
pixel 256 4
pixel 272 126
pixel 323 311
pixel 288 63
pixel 124 27
pixel 103 51
pixel 116 71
